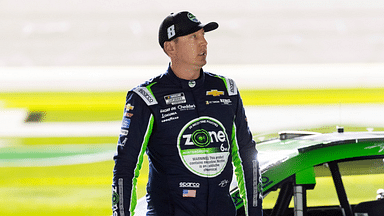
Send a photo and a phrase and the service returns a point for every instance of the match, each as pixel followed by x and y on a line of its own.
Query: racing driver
pixel 193 127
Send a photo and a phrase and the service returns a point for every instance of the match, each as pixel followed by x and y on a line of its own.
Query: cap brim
pixel 210 26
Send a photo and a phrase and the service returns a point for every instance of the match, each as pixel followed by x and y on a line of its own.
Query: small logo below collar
pixel 192 83
pixel 215 92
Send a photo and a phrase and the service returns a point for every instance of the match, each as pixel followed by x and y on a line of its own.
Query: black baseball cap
pixel 180 24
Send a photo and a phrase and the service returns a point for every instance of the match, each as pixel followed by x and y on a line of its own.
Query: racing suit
pixel 191 132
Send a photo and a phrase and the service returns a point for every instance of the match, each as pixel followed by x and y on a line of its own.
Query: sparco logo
pixel 148 97
pixel 189 184
pixel 231 86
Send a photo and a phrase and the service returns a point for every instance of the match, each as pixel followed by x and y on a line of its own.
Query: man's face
pixel 191 50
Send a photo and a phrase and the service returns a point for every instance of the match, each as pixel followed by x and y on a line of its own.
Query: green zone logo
pixel 203 146
pixel 115 198
pixel 201 138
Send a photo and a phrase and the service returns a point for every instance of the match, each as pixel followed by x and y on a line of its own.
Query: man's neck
pixel 186 73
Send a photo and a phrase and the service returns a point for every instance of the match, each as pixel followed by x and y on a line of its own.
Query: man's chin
pixel 198 64
pixel 201 64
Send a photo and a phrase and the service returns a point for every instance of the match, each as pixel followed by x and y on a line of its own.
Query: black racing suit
pixel 191 132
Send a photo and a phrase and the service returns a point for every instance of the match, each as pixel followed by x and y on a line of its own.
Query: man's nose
pixel 204 41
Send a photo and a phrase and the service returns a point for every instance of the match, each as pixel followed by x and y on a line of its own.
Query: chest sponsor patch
pixel 215 92
pixel 186 107
pixel 226 101
pixel 221 101
pixel 203 146
pixel 174 99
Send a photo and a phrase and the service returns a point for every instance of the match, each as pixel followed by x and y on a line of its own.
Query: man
pixel 192 125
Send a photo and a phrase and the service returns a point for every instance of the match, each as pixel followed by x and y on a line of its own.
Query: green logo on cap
pixel 192 18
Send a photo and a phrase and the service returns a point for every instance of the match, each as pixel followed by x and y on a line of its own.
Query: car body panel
pixel 295 154
pixel 282 158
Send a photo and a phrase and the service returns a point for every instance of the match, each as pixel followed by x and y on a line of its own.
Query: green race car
pixel 310 173
pixel 319 171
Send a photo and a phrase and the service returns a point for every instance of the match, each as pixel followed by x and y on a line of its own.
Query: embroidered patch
pixel 126 123
pixel 192 18
pixel 174 99
pixel 129 107
pixel 146 95
pixel 129 115
pixel 215 92
pixel 189 193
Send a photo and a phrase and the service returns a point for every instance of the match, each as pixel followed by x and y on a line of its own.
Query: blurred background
pixel 121 33
pixel 65 68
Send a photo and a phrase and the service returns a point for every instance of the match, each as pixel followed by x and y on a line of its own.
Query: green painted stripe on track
pixel 83 115
pixel 52 151
pixel 72 101
pixel 63 140
pixel 17 151
pixel 312 96
pixel 20 141
pixel 33 155
pixel 108 106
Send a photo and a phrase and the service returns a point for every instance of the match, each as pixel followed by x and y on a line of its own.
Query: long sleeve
pixel 135 131
pixel 244 157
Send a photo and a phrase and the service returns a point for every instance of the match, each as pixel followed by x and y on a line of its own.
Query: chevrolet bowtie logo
pixel 215 93
pixel 129 107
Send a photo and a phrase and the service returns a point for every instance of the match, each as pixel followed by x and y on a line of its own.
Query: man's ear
pixel 169 48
